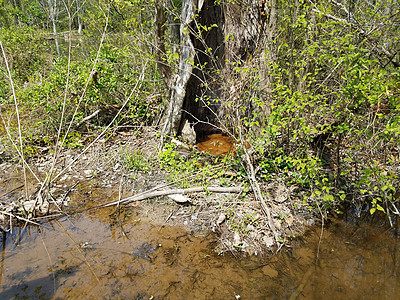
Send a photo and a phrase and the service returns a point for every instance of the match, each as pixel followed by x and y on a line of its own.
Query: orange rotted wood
pixel 218 145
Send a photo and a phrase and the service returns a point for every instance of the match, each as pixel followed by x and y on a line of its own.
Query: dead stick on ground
pixel 259 196
pixel 143 196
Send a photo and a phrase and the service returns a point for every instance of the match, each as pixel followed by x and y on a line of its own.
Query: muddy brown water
pixel 94 255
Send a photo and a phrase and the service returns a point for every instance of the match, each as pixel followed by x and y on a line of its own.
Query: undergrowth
pixel 195 168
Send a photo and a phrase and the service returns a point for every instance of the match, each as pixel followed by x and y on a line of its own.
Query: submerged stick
pixel 302 284
pixel 144 196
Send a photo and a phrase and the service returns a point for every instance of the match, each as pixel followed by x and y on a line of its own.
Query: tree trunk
pixel 173 115
pixel 204 86
pixel 161 20
pixel 79 11
pixel 53 12
pixel 268 57
pixel 215 40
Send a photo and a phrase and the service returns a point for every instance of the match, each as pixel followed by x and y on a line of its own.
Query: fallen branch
pixel 19 218
pixel 88 118
pixel 143 196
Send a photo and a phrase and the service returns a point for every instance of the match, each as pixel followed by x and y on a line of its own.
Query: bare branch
pixel 197 189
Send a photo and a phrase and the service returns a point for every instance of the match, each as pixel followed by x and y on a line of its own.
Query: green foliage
pixel 28 53
pixel 28 13
pixel 115 76
pixel 40 77
pixel 124 16
pixel 135 161
pixel 180 169
pixel 332 104
pixel 73 140
pixel 334 116
pixel 332 96
pixel 193 169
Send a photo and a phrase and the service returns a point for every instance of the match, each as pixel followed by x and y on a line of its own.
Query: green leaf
pixel 380 208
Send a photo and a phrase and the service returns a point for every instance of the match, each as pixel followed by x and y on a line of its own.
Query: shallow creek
pixel 94 256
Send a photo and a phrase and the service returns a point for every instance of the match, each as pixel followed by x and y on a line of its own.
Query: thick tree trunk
pixel 172 118
pixel 200 106
pixel 214 41
pixel 268 57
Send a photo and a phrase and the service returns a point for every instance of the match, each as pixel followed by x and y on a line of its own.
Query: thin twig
pixel 320 236
pixel 88 118
pixel 87 82
pixel 17 149
pixel 256 187
pixel 57 146
pixel 13 190
pixel 19 218
pixel 18 119
pixel 51 262
pixel 135 88
pixel 3 254
pixel 302 284
pixel 79 250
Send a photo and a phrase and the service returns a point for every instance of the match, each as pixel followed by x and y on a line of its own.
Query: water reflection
pixel 89 257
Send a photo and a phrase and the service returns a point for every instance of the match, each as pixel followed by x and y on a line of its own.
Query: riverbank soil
pixel 126 164
pixel 111 253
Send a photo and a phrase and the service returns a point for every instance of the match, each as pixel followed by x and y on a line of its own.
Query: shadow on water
pixel 93 255
pixel 41 288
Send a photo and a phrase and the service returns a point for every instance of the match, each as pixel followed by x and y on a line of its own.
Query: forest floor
pixel 237 219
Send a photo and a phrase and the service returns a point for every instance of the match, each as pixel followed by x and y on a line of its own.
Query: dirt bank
pixel 127 164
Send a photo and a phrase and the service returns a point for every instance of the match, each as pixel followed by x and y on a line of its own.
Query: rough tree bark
pixel 178 82
pixel 161 19
pixel 207 36
pixel 268 55
pixel 214 35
